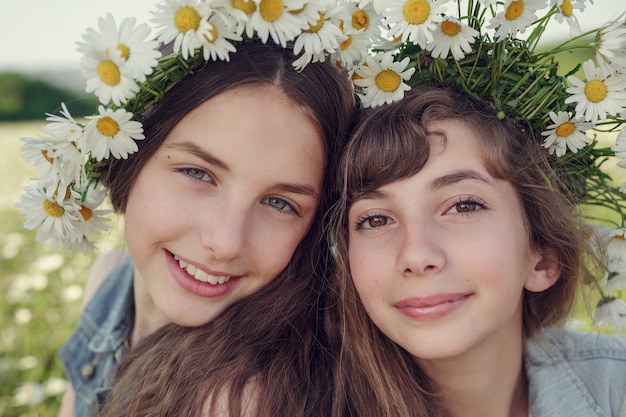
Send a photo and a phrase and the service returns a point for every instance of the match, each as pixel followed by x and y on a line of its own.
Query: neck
pixel 490 381
pixel 147 317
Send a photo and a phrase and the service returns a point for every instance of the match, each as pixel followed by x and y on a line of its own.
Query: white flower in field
pixel 55 386
pixel 29 393
pixel 413 20
pixel 112 132
pixel 185 22
pixel 381 79
pixel 602 93
pixel 27 362
pixel 452 36
pixel 72 293
pixel 278 19
pixel 129 42
pixel 516 17
pixel 612 312
pixel 22 316
pixel 564 133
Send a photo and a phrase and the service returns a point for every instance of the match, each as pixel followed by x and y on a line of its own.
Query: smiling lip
pixel 195 286
pixel 432 307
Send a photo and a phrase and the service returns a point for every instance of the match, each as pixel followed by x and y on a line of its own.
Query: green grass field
pixel 41 293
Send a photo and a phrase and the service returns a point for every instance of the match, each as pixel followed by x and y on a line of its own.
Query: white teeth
pixel 200 275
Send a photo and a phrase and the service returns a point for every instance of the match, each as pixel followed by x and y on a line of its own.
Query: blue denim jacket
pixel 575 374
pixel 94 350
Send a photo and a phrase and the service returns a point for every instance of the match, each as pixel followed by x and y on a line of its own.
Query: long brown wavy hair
pixel 376 377
pixel 267 354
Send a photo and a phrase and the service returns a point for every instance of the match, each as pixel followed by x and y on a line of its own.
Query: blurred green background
pixel 41 288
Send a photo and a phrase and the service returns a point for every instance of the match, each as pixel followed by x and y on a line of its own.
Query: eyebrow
pixel 303 189
pixel 456 177
pixel 438 183
pixel 194 149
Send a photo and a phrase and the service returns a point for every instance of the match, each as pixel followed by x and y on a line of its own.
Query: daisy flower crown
pixel 124 68
pixel 490 50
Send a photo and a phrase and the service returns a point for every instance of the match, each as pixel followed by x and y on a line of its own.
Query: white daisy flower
pixel 378 5
pixel 610 44
pixel 616 247
pixel 566 13
pixel 219 46
pixel 63 126
pixel 414 20
pixel 353 49
pixel 620 148
pixel 52 219
pixel 112 132
pixel 363 19
pixel 516 17
pixel 616 282
pixel 564 133
pixel 278 19
pixel 382 79
pixel 612 312
pixel 37 151
pixel 321 37
pixel 91 221
pixel 236 14
pixel 602 93
pixel 451 35
pixel 132 44
pixel 108 77
pixel 185 22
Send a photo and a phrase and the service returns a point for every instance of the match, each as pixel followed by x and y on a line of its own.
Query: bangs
pixel 386 147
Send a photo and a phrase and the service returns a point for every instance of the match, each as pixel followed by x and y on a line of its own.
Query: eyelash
pixel 362 220
pixel 476 203
pixel 269 201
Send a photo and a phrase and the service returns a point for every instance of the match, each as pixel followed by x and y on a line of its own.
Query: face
pixel 217 212
pixel 440 259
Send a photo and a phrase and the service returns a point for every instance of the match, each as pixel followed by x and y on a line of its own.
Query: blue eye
pixel 196 174
pixel 279 204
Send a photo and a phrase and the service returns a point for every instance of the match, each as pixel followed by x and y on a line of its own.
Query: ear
pixel 547 270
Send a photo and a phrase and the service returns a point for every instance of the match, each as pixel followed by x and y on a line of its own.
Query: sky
pixel 40 35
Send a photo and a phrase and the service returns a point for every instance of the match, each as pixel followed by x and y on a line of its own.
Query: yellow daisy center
pixel 450 28
pixel 124 49
pixel 388 80
pixel 248 7
pixel 213 33
pixel 46 156
pixel 515 10
pixel 107 126
pixel 53 208
pixel 346 43
pixel 186 18
pixel 595 91
pixel 360 20
pixel 565 129
pixel 109 73
pixel 317 26
pixel 416 12
pixel 566 8
pixel 85 212
pixel 271 10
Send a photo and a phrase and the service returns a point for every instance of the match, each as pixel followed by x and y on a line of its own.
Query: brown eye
pixel 466 207
pixel 376 221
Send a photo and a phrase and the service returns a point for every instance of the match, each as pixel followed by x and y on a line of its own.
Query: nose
pixel 420 251
pixel 224 230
